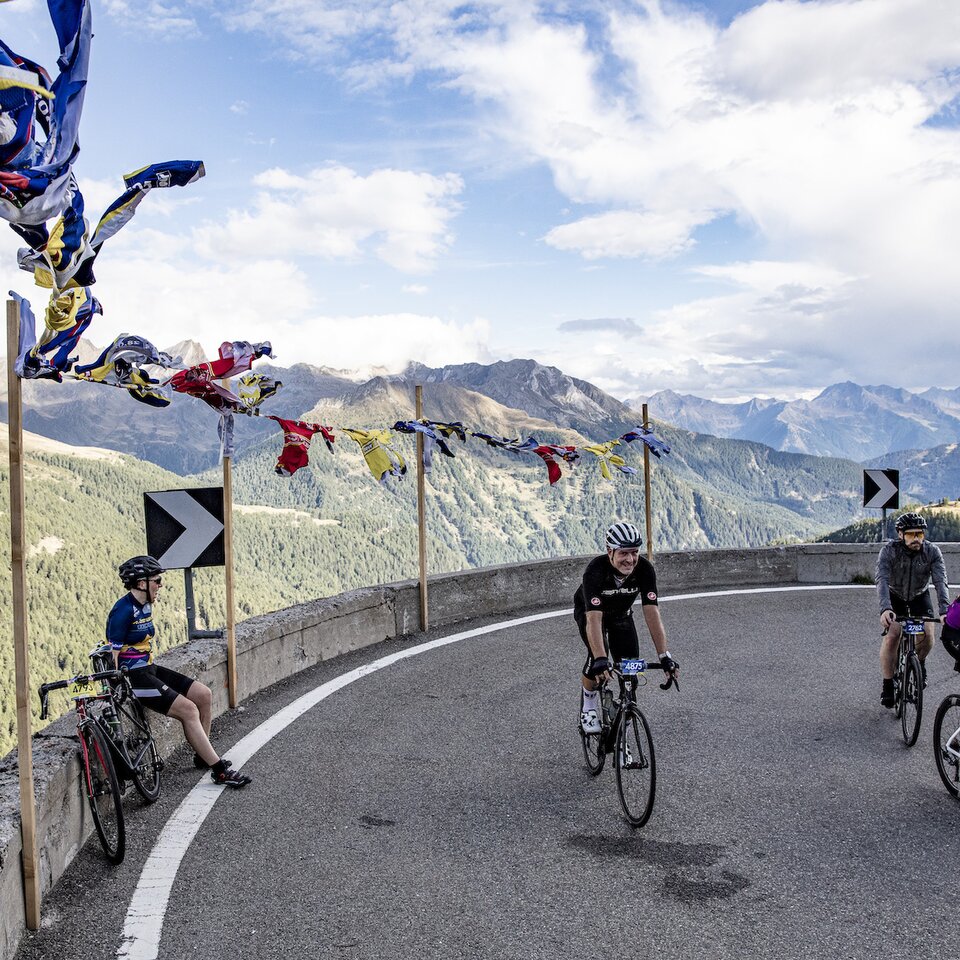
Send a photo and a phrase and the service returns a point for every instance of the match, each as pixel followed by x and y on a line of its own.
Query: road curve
pixel 438 807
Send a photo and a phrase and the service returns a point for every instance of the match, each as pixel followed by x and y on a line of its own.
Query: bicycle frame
pixel 628 679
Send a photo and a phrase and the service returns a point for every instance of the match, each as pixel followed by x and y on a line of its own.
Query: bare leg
pixel 199 693
pixel 187 712
pixel 888 651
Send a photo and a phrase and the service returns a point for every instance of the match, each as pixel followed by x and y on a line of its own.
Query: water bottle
pixel 113 722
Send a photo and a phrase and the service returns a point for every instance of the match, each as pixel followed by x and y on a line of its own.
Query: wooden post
pixel 28 813
pixel 646 486
pixel 228 575
pixel 422 519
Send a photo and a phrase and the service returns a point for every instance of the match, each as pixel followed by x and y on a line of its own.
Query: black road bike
pixel 625 734
pixel 908 680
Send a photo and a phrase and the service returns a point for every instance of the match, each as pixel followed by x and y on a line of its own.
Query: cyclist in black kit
pixel 602 608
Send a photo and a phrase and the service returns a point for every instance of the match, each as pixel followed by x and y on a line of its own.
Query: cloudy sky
pixel 725 197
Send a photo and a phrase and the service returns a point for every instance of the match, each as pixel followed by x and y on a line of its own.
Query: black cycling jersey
pixel 612 594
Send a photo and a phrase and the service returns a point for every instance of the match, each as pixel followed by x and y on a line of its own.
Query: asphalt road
pixel 440 808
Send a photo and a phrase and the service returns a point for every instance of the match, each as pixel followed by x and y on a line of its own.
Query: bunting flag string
pixel 123 365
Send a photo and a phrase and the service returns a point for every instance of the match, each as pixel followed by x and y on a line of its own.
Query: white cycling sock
pixel 591 699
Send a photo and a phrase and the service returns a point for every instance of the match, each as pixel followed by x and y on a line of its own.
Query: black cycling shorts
pixel 157 687
pixel 919 607
pixel 619 637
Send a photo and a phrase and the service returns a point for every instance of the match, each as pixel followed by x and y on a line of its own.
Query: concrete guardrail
pixel 277 645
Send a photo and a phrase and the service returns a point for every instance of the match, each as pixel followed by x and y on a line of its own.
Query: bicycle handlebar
pixel 82 679
pixel 672 680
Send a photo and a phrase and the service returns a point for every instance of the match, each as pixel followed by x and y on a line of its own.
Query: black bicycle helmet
pixel 138 568
pixel 623 536
pixel 910 521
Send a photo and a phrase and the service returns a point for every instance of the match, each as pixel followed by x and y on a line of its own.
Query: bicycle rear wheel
pixel 140 751
pixel 911 700
pixel 594 753
pixel 103 792
pixel 636 767
pixel 946 730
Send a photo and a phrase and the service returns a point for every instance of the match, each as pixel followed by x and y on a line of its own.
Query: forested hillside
pixel 943 526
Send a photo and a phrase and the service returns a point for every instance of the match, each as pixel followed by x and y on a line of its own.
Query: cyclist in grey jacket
pixel 905 568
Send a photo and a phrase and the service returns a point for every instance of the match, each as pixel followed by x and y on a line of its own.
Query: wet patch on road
pixel 692 871
pixel 368 822
pixel 702 885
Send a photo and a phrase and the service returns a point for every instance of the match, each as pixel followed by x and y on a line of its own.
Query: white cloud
pixel 624 233
pixel 171 21
pixel 390 340
pixel 416 288
pixel 400 217
pixel 805 120
pixel 160 290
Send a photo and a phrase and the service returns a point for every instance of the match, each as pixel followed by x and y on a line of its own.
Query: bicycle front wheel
pixel 103 792
pixel 636 767
pixel 912 700
pixel 946 743
pixel 594 753
pixel 140 751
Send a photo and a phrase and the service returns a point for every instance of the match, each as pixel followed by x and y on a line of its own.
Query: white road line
pixel 143 925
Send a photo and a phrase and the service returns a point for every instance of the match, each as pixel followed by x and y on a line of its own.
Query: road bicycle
pixel 908 679
pixel 626 734
pixel 946 742
pixel 115 746
pixel 135 751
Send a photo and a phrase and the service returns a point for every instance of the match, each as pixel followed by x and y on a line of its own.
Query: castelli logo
pixel 595 601
pixel 651 596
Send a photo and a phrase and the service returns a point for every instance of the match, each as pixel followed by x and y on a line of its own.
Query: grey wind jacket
pixel 908 574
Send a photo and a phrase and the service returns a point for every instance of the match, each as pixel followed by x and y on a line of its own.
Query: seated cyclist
pixel 130 633
pixel 602 608
pixel 904 570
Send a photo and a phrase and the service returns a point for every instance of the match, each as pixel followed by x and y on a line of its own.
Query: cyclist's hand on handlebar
pixel 671 670
pixel 599 669
pixel 886 618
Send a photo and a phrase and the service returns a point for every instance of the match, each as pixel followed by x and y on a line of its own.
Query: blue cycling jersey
pixel 130 632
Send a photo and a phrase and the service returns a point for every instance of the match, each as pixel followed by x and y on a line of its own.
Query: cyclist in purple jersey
pixel 602 608
pixel 130 633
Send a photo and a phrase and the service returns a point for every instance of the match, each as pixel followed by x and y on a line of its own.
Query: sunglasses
pixel 157 580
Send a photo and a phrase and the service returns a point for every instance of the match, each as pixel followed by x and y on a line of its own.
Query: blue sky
pixel 720 198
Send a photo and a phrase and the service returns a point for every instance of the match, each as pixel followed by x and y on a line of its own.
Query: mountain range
pixel 844 420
